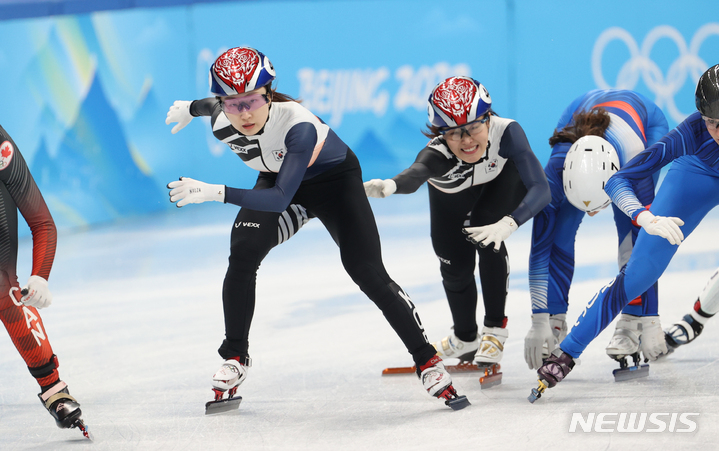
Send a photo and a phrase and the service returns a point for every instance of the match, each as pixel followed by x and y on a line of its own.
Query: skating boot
pixel 552 371
pixel 438 383
pixel 624 344
pixel 491 346
pixel 685 331
pixel 453 347
pixel 230 375
pixel 64 408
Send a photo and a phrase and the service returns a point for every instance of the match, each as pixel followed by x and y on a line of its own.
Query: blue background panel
pixel 85 95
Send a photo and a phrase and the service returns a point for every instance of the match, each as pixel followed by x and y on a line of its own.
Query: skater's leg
pixel 449 213
pixel 498 198
pixel 27 333
pixel 686 194
pixel 254 233
pixel 337 198
pixel 692 324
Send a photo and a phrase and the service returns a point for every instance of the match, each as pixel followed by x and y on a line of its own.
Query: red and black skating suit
pixel 18 191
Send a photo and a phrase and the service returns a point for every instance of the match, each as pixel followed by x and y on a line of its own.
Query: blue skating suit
pixel 689 191
pixel 635 123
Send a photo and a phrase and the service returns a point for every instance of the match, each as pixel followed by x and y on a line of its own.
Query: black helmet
pixel 707 94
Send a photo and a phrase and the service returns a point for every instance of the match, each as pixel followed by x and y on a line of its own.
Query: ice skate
pixel 438 383
pixel 64 408
pixel 453 347
pixel 491 346
pixel 683 332
pixel 226 380
pixel 552 371
pixel 624 344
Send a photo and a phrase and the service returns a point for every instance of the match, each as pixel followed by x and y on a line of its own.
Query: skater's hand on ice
pixel 493 233
pixel 539 335
pixel 652 344
pixel 189 191
pixel 179 112
pixel 665 227
pixel 380 188
pixel 38 294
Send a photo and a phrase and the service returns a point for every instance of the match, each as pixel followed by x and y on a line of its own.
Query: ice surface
pixel 137 318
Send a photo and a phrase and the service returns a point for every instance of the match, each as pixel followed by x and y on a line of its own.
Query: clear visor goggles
pixel 711 123
pixel 237 105
pixel 472 129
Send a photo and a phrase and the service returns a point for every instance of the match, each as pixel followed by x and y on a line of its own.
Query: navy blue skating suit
pixel 507 180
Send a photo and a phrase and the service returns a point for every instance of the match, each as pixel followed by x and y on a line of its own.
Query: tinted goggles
pixel 237 105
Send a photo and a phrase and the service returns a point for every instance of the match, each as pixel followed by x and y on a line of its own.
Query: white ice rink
pixel 137 318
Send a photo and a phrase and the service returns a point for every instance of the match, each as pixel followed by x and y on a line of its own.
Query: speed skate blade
pixel 492 375
pixel 223 405
pixel 83 428
pixel 629 373
pixel 458 403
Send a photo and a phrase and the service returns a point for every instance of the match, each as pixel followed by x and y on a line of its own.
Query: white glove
pixel 38 294
pixel 179 112
pixel 497 232
pixel 190 191
pixel 665 227
pixel 380 188
pixel 539 334
pixel 652 342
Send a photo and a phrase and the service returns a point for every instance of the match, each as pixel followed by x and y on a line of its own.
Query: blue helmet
pixel 458 101
pixel 238 70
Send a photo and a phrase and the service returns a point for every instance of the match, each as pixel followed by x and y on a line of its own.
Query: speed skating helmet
pixel 588 165
pixel 238 70
pixel 707 93
pixel 457 101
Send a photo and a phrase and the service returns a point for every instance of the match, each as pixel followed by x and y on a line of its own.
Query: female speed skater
pixel 689 191
pixel 301 161
pixel 599 132
pixel 484 181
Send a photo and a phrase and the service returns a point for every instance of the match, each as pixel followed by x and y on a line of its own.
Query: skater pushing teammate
pixel 301 161
pixel 689 191
pixel 598 133
pixel 18 306
pixel 484 181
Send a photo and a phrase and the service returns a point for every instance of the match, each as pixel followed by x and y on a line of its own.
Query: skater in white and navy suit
pixel 303 166
pixel 484 181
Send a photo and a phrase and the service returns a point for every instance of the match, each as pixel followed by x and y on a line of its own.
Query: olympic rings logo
pixel 687 66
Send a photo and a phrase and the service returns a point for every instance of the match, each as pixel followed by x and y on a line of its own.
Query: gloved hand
pixel 38 294
pixel 652 342
pixel 665 227
pixel 190 191
pixel 497 232
pixel 539 335
pixel 179 112
pixel 380 188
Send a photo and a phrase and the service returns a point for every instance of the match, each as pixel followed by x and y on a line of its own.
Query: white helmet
pixel 588 165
